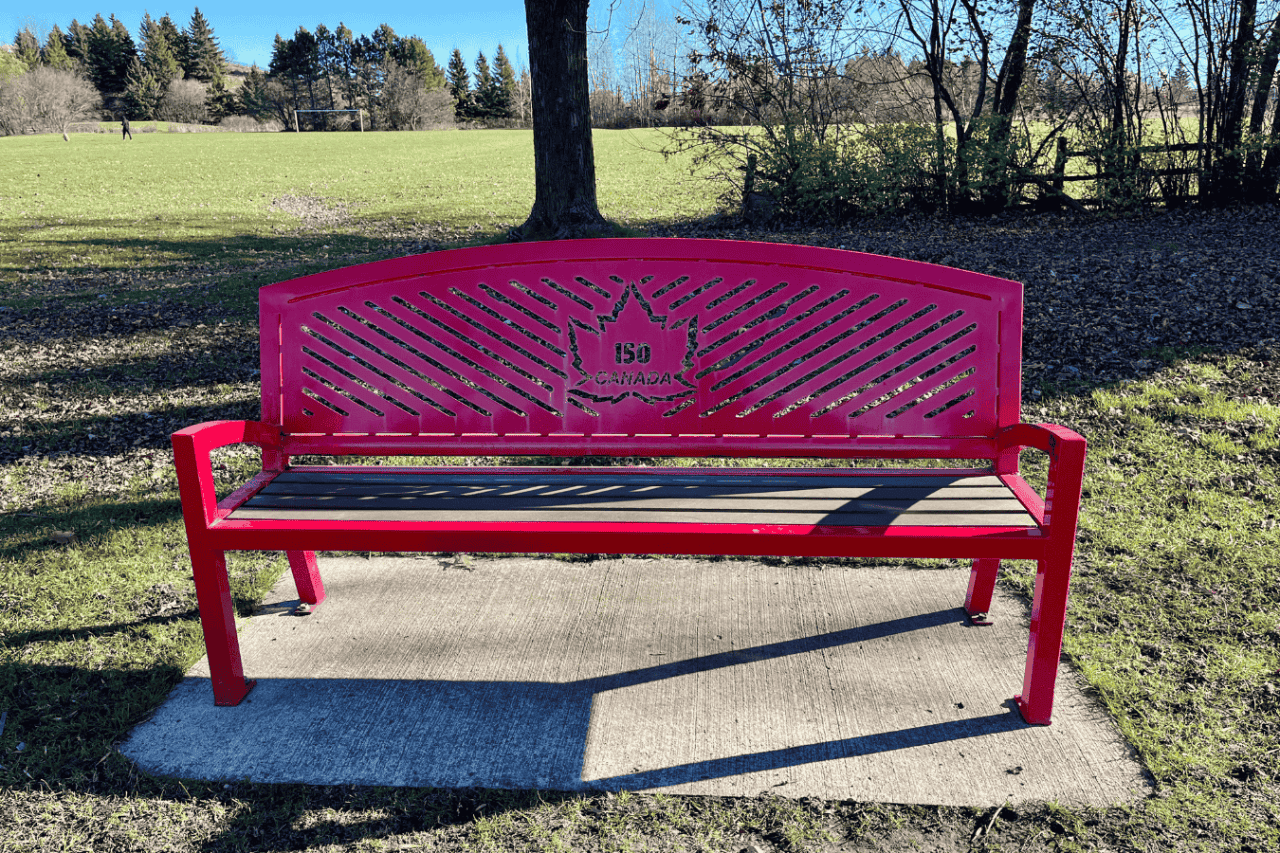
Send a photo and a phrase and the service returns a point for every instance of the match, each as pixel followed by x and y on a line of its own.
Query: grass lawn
pixel 128 280
pixel 162 202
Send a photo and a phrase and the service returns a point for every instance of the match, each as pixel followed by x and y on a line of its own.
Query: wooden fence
pixel 1133 169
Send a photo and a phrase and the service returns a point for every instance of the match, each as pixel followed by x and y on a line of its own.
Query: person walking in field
pixel 125 132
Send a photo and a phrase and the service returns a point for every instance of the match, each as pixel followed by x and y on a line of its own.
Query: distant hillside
pixel 236 73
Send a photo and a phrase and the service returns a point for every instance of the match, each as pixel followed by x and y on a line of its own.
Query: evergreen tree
pixel 27 47
pixel 254 98
pixel 77 44
pixel 160 50
pixel 384 41
pixel 283 69
pixel 342 62
pixel 123 52
pixel 55 51
pixel 413 53
pixel 169 31
pixel 373 57
pixel 142 92
pixel 459 80
pixel 326 44
pixel 109 54
pixel 484 88
pixel 304 62
pixel 221 101
pixel 201 56
pixel 149 77
pixel 504 97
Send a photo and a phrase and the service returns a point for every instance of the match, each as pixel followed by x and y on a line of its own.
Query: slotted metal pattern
pixel 609 337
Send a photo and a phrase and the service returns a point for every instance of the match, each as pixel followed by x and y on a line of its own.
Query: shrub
pixel 876 171
pixel 249 124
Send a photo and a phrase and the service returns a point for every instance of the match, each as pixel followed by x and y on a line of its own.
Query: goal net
pixel 353 116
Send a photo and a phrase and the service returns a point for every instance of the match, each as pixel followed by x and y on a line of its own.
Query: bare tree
pixel 46 100
pixel 977 96
pixel 407 103
pixel 184 102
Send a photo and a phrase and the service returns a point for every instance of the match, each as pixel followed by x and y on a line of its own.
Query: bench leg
pixel 982 585
pixel 306 576
pixel 218 619
pixel 1048 619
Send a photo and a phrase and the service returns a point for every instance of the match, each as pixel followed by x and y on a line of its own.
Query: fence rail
pixel 1054 182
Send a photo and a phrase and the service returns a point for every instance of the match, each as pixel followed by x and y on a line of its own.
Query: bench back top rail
pixel 655 345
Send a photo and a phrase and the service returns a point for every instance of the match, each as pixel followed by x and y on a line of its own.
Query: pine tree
pixel 343 61
pixel 27 47
pixel 169 31
pixel 504 97
pixel 123 53
pixel 460 85
pixel 77 44
pixel 484 88
pixel 371 58
pixel 413 53
pixel 304 61
pixel 149 77
pixel 109 54
pixel 201 56
pixel 11 68
pixel 142 92
pixel 55 51
pixel 325 53
pixel 254 99
pixel 159 50
pixel 282 68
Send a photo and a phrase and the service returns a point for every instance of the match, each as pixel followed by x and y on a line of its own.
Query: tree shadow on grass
pixel 193 267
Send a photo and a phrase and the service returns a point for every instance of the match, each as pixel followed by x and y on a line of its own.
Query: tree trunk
pixel 1261 186
pixel 1014 67
pixel 1226 180
pixel 564 162
pixel 1271 166
pixel 997 190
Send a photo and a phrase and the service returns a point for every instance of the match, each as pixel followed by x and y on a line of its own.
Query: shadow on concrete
pixel 494 734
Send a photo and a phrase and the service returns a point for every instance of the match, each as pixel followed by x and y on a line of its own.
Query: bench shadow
pixel 490 734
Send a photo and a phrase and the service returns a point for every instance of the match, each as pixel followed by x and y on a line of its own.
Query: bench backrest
pixel 642 346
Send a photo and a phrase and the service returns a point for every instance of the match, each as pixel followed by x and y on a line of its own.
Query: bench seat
pixel 812 499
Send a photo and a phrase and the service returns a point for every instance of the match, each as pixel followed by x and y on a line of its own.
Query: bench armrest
pixel 192 449
pixel 1066 451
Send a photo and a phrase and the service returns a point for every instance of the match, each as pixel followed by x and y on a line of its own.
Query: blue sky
pixel 246 29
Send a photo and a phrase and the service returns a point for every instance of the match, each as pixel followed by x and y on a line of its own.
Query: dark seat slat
pixel 720 499
pixel 620 491
pixel 835 519
pixel 676 475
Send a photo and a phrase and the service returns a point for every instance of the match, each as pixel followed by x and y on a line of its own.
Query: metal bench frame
pixel 623 348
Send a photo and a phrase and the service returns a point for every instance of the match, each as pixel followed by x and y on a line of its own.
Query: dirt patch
pixel 313 211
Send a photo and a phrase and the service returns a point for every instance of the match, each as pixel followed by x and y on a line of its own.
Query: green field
pixel 163 200
pixel 128 291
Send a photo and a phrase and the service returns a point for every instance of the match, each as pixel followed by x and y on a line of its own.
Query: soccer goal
pixel 359 115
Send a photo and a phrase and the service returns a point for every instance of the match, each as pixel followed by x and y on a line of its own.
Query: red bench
pixel 641 348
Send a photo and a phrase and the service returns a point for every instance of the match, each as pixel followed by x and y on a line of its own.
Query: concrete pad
pixel 722 678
